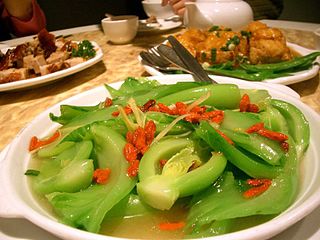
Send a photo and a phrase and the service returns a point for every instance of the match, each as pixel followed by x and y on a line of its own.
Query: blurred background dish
pixel 59 75
pixel 205 13
pixel 120 29
pixel 154 8
pixel 160 26
pixel 296 77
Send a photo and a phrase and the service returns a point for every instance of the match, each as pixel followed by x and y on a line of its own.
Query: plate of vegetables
pixel 166 157
pixel 256 53
pixel 297 70
pixel 45 59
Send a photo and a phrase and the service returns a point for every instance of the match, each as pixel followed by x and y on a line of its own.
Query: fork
pixel 162 57
pixel 155 59
pixel 150 59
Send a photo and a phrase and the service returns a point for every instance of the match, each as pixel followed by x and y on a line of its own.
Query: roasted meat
pixel 43 55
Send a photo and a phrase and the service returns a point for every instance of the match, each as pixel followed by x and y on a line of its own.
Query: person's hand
pixel 21 9
pixel 178 6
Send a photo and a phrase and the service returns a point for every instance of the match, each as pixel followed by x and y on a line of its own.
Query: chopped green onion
pixel 32 172
pixel 245 34
pixel 214 28
pixel 213 54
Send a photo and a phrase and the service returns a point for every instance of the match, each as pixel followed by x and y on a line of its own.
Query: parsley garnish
pixel 85 50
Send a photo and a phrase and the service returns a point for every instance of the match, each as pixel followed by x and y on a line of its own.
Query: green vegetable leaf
pixel 85 50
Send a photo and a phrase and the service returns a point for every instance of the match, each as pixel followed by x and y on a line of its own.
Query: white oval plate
pixel 296 77
pixel 17 201
pixel 27 83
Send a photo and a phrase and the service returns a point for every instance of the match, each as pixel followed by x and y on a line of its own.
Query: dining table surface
pixel 19 107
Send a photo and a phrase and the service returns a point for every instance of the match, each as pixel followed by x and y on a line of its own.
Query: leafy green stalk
pixel 68 171
pixel 298 125
pixel 235 156
pixel 161 189
pixel 225 96
pixel 225 201
pixel 266 149
pixel 87 208
pixel 142 91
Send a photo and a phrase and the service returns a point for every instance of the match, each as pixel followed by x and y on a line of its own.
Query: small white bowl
pixel 153 8
pixel 120 29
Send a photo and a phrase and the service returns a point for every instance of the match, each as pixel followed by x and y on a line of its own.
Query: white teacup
pixel 120 29
pixel 154 8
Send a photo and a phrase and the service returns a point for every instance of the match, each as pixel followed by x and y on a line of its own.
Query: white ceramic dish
pixel 27 83
pixel 307 228
pixel 17 201
pixel 155 8
pixel 120 29
pixel 296 77
pixel 155 28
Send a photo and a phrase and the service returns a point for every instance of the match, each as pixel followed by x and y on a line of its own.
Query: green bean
pixel 243 74
pixel 281 66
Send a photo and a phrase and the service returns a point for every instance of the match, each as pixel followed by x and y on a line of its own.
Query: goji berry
pixel 35 143
pixel 163 108
pixel 260 186
pixel 255 128
pixel 225 137
pixel 130 152
pixel 148 105
pixel 101 176
pixel 108 102
pixel 150 130
pixel 277 136
pixel 139 138
pixel 133 169
pixel 171 226
pixel 244 102
pixel 284 146
pixel 180 108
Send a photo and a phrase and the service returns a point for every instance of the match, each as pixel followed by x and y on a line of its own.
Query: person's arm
pixel 21 9
pixel 178 6
pixel 24 17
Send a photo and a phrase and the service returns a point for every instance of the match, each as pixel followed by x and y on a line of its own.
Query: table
pixel 119 61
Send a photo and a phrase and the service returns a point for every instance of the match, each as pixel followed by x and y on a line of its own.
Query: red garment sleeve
pixel 23 28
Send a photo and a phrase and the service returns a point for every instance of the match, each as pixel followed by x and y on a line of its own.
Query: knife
pixel 189 61
pixel 168 53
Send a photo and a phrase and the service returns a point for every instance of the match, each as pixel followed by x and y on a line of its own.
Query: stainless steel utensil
pixel 163 58
pixel 189 61
pixel 157 62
